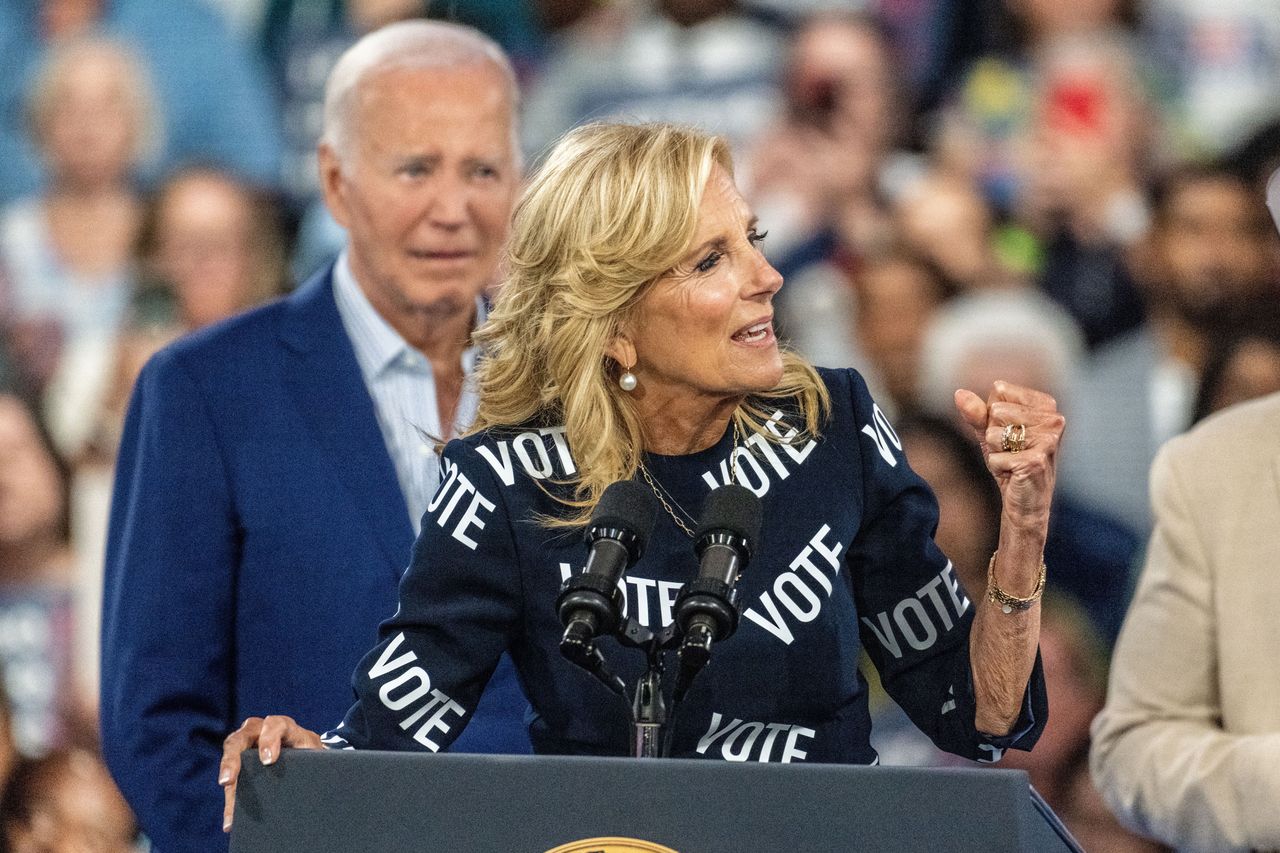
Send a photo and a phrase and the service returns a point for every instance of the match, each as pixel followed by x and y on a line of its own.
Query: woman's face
pixel 203 248
pixel 705 329
pixel 91 132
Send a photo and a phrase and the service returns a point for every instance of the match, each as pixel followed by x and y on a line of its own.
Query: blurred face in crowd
pixel 895 301
pixel 31 495
pixel 705 329
pixel 1252 371
pixel 837 83
pixel 947 221
pixel 90 127
pixel 204 247
pixel 426 188
pixel 76 809
pixel 1048 18
pixel 1211 249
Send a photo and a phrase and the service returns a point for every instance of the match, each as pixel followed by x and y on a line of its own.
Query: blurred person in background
pixel 1207 261
pixel 37 629
pixel 67 251
pixel 944 219
pixel 9 754
pixel 1084 160
pixel 700 62
pixel 817 173
pixel 1022 336
pixel 874 320
pixel 210 247
pixel 214 102
pixel 1222 61
pixel 1241 365
pixel 65 802
pixel 990 105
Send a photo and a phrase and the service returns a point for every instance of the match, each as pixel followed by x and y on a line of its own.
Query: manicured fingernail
pixel 226 824
pixel 267 757
pixel 225 777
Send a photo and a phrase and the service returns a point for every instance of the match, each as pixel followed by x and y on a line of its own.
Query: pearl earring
pixel 627 381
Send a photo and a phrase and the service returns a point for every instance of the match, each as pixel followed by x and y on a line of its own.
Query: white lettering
pixel 727 748
pixel 463 487
pixel 447 706
pixel 774 624
pixel 541 469
pixel 793 580
pixel 884 634
pixel 413 695
pixel 917 642
pixel 562 447
pixel 504 469
pixel 766 447
pixel 761 484
pixel 790 751
pixel 470 518
pixel 384 665
pixel 883 435
pixel 713 735
pixel 451 474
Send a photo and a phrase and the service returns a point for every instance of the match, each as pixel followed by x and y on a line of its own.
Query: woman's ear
pixel 622 350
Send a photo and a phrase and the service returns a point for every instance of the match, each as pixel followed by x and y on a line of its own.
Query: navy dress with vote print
pixel 846 562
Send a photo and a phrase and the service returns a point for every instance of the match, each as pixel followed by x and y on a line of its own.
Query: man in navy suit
pixel 274 468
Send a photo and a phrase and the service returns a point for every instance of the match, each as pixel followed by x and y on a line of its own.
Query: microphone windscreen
pixel 629 505
pixel 733 509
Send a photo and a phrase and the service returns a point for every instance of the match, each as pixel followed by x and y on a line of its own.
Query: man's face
pixel 1212 246
pixel 425 188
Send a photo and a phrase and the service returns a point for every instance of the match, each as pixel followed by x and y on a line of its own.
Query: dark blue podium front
pixel 382 801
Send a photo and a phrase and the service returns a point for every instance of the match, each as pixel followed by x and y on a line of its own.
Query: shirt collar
pixel 378 346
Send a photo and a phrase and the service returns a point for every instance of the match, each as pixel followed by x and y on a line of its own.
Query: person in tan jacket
pixel 1187 749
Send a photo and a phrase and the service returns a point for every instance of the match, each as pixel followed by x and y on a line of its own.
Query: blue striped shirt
pixel 400 380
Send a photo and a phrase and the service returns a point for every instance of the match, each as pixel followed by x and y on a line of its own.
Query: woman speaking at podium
pixel 633 340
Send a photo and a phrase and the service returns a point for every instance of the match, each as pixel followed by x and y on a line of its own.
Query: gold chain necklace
pixel 662 494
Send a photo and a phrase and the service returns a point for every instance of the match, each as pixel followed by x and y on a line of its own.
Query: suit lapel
pixel 324 378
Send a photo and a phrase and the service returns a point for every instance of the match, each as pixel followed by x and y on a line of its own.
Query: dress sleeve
pixel 460 609
pixel 914 616
pixel 172 553
pixel 1160 756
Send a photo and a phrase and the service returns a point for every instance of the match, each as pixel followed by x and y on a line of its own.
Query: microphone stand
pixel 650 714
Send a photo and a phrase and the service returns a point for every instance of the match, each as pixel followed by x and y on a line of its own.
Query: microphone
pixel 707 607
pixel 590 603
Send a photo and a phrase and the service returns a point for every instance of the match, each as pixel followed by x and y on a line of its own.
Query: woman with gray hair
pixel 633 340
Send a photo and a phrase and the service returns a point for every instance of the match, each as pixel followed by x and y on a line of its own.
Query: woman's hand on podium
pixel 269 735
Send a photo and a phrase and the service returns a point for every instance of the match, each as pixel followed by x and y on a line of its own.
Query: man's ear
pixel 332 184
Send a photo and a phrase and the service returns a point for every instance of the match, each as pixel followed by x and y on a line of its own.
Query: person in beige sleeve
pixel 1187 749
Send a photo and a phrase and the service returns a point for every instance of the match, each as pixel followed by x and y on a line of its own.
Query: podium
pixel 333 801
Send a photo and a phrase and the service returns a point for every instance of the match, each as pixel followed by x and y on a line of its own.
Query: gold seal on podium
pixel 611 845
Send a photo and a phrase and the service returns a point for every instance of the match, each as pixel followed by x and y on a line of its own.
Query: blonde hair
pixel 612 209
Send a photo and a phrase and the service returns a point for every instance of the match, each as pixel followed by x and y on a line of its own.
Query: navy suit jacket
pixel 257 538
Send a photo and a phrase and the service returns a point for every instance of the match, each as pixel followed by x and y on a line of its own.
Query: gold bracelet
pixel 1009 603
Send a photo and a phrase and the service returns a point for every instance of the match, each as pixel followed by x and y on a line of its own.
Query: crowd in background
pixel 1068 196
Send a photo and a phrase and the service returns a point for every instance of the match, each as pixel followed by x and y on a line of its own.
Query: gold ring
pixel 1014 438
